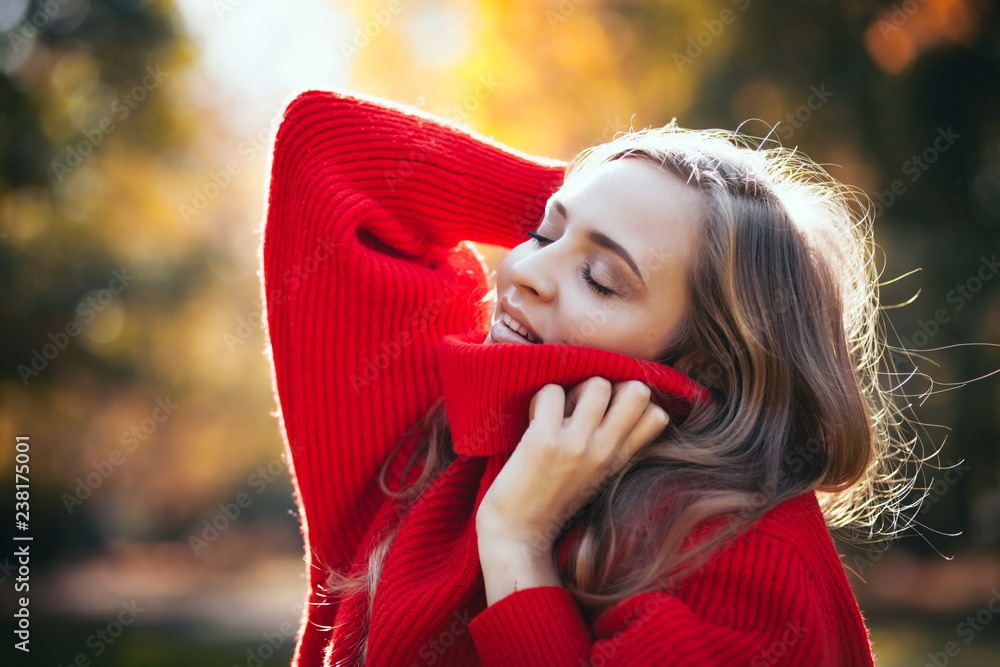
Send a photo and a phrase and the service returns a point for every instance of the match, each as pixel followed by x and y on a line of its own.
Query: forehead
pixel 648 210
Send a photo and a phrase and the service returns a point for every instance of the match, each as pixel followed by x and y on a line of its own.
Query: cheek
pixel 588 321
pixel 608 323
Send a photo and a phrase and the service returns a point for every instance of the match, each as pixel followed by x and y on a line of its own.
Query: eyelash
pixel 599 288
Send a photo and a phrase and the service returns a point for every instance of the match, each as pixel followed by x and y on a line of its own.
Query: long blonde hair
pixel 783 328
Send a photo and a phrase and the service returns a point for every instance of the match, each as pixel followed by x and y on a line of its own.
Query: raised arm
pixel 363 270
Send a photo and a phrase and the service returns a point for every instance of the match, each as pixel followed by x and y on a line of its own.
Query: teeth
pixel 518 327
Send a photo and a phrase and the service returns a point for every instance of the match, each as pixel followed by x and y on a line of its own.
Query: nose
pixel 534 273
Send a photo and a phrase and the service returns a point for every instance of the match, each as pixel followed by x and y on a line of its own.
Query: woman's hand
pixel 573 444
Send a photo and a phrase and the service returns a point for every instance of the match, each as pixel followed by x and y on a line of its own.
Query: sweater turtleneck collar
pixel 487 387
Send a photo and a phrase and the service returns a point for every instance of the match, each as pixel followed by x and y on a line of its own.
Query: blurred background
pixel 134 146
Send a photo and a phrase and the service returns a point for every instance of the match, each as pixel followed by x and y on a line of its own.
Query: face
pixel 609 271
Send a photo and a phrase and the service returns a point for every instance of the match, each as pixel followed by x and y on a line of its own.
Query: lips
pixel 501 333
pixel 509 312
pixel 516 326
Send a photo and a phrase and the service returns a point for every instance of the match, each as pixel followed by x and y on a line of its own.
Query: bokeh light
pixel 136 136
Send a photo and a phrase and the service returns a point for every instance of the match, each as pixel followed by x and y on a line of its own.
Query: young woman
pixel 629 454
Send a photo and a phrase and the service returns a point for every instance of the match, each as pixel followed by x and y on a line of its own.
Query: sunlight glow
pixel 256 54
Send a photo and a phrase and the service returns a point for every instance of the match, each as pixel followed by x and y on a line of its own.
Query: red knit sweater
pixel 374 311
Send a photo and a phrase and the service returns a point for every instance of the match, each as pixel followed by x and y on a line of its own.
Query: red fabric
pixel 374 311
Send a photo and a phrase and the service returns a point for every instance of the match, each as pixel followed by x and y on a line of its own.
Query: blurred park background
pixel 134 147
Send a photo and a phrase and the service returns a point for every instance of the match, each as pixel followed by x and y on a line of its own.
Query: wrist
pixel 508 551
pixel 501 538
pixel 511 564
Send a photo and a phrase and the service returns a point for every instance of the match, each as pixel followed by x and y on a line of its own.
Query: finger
pixel 572 397
pixel 625 411
pixel 590 407
pixel 574 393
pixel 619 386
pixel 649 426
pixel 547 404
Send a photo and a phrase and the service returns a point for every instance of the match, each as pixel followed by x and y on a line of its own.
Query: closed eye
pixel 596 286
pixel 538 237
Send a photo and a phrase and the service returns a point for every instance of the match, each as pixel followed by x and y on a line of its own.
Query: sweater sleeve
pixel 766 614
pixel 365 265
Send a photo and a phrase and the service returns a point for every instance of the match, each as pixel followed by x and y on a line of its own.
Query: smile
pixel 516 326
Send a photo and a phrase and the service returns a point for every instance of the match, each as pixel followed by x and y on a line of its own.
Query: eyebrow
pixel 603 241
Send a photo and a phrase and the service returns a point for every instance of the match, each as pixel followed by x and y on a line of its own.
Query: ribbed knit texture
pixel 374 312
